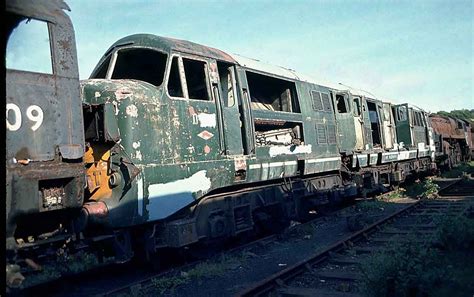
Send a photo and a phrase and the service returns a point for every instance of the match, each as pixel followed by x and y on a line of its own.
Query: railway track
pixel 336 271
pixel 133 287
pixel 146 283
pixel 118 285
pixel 109 281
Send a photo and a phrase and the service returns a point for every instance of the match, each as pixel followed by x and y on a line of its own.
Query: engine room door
pixel 345 121
pixel 388 128
pixel 403 125
pixel 224 91
pixel 358 123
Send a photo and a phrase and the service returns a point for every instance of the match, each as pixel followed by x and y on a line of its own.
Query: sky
pixel 401 51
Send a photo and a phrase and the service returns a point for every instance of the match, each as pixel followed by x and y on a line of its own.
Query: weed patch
pixel 206 269
pixel 426 189
pixel 464 168
pixel 415 268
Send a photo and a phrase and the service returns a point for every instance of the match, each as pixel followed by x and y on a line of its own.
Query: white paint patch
pixel 207 120
pixel 97 94
pixel 115 107
pixel 290 150
pixel 323 160
pixel 132 111
pixel 140 195
pixel 138 155
pixel 254 166
pixel 421 146
pixel 136 145
pixel 165 199
pixel 403 156
pixel 122 93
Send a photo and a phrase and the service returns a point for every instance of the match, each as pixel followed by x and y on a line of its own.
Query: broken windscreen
pixel 136 63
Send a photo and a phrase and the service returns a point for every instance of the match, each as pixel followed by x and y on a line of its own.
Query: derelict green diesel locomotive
pixel 192 143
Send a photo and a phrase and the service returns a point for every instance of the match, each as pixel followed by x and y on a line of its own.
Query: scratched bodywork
pixel 173 150
pixel 45 136
pixel 191 143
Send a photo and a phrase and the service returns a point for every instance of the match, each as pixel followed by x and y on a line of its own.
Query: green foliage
pixel 370 206
pixel 430 189
pixel 395 194
pixel 423 189
pixel 163 284
pixel 464 114
pixel 455 234
pixel 65 264
pixel 458 171
pixel 408 269
pixel 415 268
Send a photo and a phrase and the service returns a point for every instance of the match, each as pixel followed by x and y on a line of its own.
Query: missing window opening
pixel 268 93
pixel 374 123
pixel 357 110
pixel 269 133
pixel 402 113
pixel 140 64
pixel 341 104
pixel 174 80
pixel 196 81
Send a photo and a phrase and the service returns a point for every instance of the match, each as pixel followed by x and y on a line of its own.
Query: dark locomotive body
pixel 44 137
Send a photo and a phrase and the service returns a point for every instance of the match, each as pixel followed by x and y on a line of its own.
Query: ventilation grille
pixel 331 134
pixel 326 102
pixel 321 131
pixel 317 103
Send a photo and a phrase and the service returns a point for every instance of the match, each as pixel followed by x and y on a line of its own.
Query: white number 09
pixel 34 113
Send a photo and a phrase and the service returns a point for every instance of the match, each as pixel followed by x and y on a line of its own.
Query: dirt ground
pixel 227 274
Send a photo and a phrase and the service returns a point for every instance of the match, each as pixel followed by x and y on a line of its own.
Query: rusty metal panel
pixel 446 127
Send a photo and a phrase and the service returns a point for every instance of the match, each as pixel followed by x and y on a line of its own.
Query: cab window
pixel 188 79
pixel 141 64
pixel 28 47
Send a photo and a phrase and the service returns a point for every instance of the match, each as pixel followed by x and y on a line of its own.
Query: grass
pixel 202 270
pixel 423 189
pixel 411 268
pixel 65 264
pixel 396 194
pixel 459 171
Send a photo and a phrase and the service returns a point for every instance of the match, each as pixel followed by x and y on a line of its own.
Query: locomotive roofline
pixel 167 44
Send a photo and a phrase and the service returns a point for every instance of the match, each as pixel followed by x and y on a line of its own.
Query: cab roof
pixel 47 10
pixel 168 44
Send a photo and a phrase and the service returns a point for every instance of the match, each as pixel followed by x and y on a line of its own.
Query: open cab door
pixel 343 112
